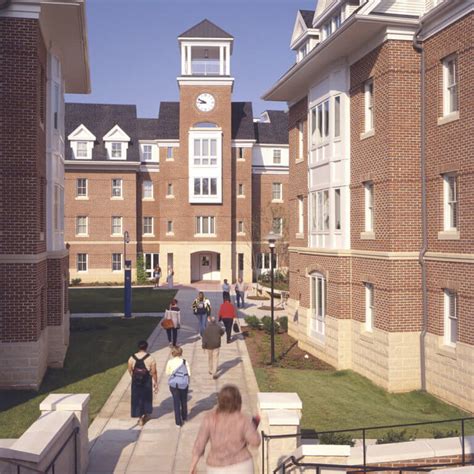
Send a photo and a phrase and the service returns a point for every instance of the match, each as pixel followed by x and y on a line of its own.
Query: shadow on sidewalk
pixel 227 365
pixel 204 404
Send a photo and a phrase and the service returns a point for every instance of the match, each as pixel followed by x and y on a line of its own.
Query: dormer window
pixel 116 143
pixel 332 25
pixel 82 142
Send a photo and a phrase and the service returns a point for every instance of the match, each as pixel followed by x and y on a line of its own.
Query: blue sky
pixel 134 54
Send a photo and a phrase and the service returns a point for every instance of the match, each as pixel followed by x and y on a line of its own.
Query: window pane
pixel 211 225
pixel 213 147
pixel 337 209
pixel 320 122
pixel 205 186
pixel 337 116
pixel 205 147
pixel 326 209
pixel 205 225
pixel 197 148
pixel 197 186
pixel 213 186
pixel 326 118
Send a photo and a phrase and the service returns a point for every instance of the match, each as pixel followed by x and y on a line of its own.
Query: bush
pixel 283 322
pixel 253 322
pixel 396 437
pixel 279 276
pixel 266 322
pixel 75 281
pixel 141 273
pixel 336 438
pixel 437 434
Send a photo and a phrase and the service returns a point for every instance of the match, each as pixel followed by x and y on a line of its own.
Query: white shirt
pixel 174 363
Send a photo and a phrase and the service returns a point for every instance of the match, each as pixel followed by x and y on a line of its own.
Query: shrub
pixel 396 437
pixel 266 322
pixel 141 273
pixel 437 434
pixel 253 322
pixel 283 322
pixel 336 438
pixel 75 281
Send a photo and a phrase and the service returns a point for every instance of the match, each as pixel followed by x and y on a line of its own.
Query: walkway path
pixel 118 445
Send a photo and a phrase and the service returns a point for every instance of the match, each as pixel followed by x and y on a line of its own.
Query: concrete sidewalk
pixel 119 445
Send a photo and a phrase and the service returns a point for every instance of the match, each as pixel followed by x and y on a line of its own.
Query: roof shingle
pixel 275 131
pixel 205 29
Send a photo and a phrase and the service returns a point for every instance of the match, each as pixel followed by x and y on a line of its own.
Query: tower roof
pixel 205 29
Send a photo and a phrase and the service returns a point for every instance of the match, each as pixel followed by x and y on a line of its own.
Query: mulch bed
pixel 288 354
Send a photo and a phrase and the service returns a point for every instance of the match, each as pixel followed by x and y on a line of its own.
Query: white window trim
pixel 280 192
pixel 277 151
pixel 300 132
pixel 169 232
pixel 168 195
pixel 116 135
pixel 120 197
pixel 447 112
pixel 121 262
pixel 369 306
pixel 369 109
pixel 240 232
pixel 369 205
pixel 148 198
pixel 82 234
pixel 280 219
pixel 77 262
pixel 82 134
pixel 300 210
pixel 152 233
pixel 116 234
pixel 202 195
pixel 316 318
pixel 447 334
pixel 82 197
pixel 447 206
pixel 200 233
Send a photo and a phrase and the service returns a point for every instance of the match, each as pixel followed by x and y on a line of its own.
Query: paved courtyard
pixel 119 445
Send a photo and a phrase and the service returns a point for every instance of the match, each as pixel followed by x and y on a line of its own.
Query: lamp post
pixel 127 285
pixel 272 238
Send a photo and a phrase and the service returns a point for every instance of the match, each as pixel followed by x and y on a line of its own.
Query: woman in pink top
pixel 230 432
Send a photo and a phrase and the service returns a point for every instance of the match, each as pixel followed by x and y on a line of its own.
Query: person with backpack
pixel 179 372
pixel 202 309
pixel 142 369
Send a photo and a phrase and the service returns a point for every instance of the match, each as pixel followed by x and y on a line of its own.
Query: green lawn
pixel 96 360
pixel 343 399
pixel 110 300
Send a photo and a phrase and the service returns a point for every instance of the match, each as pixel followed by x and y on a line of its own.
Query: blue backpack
pixel 180 377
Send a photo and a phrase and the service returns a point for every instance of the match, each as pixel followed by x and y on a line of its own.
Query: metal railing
pixel 364 467
pixel 205 67
pixel 52 465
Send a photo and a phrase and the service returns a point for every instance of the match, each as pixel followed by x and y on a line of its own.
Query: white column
pixel 183 58
pixel 189 69
pixel 221 60
pixel 227 62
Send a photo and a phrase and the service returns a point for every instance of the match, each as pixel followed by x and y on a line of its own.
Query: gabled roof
pixel 116 134
pixel 307 16
pixel 147 129
pixel 242 121
pixel 205 29
pixel 303 23
pixel 100 119
pixel 82 133
pixel 168 121
pixel 275 131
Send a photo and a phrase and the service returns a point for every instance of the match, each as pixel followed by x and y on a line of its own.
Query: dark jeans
pixel 180 402
pixel 228 327
pixel 226 294
pixel 239 296
pixel 172 335
pixel 202 318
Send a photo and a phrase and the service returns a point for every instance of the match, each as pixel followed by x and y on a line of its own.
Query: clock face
pixel 205 102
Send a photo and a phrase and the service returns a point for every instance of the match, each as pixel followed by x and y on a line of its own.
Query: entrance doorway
pixel 151 261
pixel 205 266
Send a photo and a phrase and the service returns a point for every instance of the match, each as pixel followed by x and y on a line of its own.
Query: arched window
pixel 205 125
pixel 318 292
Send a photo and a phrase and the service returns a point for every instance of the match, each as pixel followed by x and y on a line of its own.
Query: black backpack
pixel 140 373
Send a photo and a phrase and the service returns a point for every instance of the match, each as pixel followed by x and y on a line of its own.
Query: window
pixel 300 215
pixel 147 153
pixel 276 157
pixel 277 225
pixel 322 211
pixel 369 206
pixel 169 227
pixel 169 153
pixel 337 116
pixel 337 209
pixel 81 262
pixel 117 188
pixel 277 191
pixel 263 261
pixel 205 225
pixel 205 151
pixel 148 226
pixel 450 317
pixel 241 262
pixel 81 150
pixel 240 153
pixel 318 303
pixel 450 202
pixel 314 206
pixel 116 148
pixel 240 189
pixel 300 152
pixel 369 307
pixel 116 262
pixel 450 89
pixel 240 227
pixel 116 225
pixel 369 105
pixel 205 186
pixel 320 122
pixel 169 189
pixel 147 189
pixel 81 187
pixel 82 225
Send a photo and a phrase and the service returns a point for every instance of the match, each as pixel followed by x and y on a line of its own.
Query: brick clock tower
pixel 203 176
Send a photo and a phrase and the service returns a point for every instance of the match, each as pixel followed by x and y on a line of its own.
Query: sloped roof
pixel 308 16
pixel 147 129
pixel 100 119
pixel 205 29
pixel 168 126
pixel 242 121
pixel 275 131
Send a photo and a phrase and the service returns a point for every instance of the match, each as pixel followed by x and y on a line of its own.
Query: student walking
pixel 142 368
pixel 156 277
pixel 202 309
pixel 211 342
pixel 240 289
pixel 169 277
pixel 172 322
pixel 230 433
pixel 227 314
pixel 179 372
pixel 225 290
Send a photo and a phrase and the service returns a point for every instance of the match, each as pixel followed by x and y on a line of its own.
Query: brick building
pixel 43 54
pixel 381 251
pixel 197 188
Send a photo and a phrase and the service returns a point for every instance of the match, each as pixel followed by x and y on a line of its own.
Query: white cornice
pixel 273 145
pixel 102 165
pixel 116 134
pixel 356 253
pixel 82 133
pixel 22 9
pixel 200 80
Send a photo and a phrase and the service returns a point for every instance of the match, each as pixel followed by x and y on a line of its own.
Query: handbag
pixel 236 326
pixel 167 324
